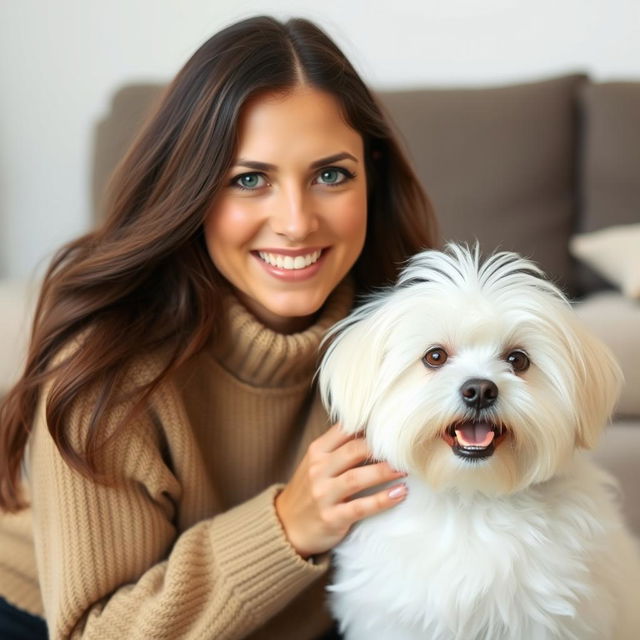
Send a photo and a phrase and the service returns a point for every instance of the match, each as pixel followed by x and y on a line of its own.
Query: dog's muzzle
pixel 475 439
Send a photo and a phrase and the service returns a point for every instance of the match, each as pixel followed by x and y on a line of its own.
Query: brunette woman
pixel 166 467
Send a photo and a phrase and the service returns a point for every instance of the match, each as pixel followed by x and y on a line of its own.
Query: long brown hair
pixel 143 281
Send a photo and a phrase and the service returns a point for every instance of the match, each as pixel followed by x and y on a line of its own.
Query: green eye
pixel 330 176
pixel 250 181
pixel 333 175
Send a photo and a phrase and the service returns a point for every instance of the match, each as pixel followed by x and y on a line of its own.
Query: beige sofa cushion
pixel 619 452
pixel 616 320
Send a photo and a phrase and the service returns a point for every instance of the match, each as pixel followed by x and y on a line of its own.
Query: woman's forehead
pixel 304 121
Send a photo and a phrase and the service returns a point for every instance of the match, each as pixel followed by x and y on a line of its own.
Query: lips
pixel 474 439
pixel 291 265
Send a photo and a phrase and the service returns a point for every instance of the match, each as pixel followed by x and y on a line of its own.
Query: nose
pixel 293 216
pixel 479 393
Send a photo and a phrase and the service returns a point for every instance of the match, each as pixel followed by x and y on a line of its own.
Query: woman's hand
pixel 316 507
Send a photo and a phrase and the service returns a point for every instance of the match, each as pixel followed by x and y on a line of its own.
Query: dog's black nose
pixel 479 393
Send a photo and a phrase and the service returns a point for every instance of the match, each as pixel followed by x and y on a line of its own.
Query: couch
pixel 550 169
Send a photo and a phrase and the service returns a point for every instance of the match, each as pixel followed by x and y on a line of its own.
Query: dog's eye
pixel 519 361
pixel 435 357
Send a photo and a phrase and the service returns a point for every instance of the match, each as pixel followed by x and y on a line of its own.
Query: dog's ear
pixel 349 369
pixel 599 380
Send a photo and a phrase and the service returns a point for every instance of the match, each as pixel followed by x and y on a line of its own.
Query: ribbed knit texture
pixel 187 544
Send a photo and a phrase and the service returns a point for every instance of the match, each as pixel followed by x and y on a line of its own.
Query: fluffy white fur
pixel 527 544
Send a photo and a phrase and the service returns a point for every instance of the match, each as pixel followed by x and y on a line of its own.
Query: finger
pixel 333 438
pixel 358 479
pixel 347 513
pixel 350 454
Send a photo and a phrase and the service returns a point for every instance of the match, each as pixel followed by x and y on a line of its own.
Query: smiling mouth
pixel 288 262
pixel 474 439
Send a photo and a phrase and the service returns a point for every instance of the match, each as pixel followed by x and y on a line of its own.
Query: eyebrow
pixel 334 158
pixel 265 166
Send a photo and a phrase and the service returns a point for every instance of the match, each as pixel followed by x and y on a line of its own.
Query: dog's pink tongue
pixel 476 434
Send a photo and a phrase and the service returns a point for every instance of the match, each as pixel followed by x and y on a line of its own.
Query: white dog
pixel 477 379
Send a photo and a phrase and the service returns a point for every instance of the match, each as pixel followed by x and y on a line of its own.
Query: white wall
pixel 61 60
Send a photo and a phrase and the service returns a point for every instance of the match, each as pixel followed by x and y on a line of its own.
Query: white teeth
pixel 288 262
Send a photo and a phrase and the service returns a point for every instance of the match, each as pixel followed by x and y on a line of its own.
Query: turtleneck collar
pixel 262 357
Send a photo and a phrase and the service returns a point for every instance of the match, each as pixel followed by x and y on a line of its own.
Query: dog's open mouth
pixel 474 439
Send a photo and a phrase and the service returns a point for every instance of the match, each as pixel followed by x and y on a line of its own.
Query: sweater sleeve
pixel 112 564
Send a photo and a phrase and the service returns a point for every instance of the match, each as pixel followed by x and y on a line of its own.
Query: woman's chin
pixel 285 312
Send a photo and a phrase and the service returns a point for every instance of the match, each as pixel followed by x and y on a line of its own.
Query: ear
pixel 349 368
pixel 599 380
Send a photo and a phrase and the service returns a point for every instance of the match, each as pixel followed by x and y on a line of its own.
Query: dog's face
pixel 475 376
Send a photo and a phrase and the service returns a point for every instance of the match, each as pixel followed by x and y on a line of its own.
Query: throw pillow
pixel 614 253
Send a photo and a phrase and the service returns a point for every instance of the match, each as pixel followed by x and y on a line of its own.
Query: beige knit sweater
pixel 188 544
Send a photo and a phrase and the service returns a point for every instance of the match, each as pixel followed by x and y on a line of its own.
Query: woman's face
pixel 291 218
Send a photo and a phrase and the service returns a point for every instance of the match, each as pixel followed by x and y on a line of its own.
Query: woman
pixel 181 478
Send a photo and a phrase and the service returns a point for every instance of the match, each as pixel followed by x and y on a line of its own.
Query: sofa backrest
pixel 609 162
pixel 520 167
pixel 499 164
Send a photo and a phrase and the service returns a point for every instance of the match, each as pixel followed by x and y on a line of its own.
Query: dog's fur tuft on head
pixel 476 378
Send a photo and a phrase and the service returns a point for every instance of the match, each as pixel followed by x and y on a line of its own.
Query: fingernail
pixel 398 492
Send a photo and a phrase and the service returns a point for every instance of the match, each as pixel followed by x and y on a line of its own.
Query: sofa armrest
pixel 17 302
